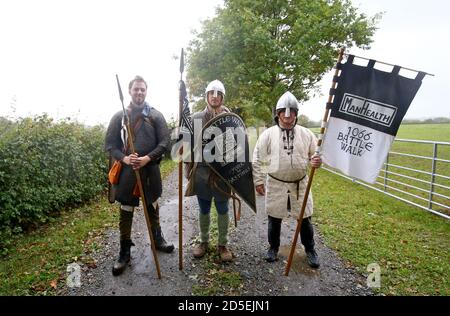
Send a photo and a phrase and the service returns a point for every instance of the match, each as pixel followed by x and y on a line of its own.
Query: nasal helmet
pixel 215 86
pixel 286 102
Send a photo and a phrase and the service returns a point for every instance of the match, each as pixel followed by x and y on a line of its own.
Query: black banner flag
pixel 367 110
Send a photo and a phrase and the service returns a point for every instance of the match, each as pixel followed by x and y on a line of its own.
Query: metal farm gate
pixel 416 172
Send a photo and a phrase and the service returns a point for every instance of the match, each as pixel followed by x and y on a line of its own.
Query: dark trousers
pixel 205 206
pixel 306 233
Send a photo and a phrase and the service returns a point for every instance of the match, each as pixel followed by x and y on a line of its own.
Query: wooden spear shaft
pixel 180 175
pixel 311 175
pixel 149 225
pixel 144 203
pixel 234 212
pixel 180 213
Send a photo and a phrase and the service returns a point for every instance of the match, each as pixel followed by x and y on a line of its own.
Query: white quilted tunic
pixel 285 156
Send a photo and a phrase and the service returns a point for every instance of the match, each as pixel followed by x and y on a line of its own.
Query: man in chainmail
pixel 151 139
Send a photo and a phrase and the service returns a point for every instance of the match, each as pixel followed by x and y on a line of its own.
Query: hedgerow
pixel 46 166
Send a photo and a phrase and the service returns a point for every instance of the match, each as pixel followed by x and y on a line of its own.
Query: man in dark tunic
pixel 151 140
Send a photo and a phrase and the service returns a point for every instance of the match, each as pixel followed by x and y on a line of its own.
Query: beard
pixel 138 100
pixel 215 106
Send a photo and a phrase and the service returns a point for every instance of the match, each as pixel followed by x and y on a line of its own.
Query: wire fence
pixel 416 172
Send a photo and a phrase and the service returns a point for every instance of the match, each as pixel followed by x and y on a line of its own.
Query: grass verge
pixel 410 245
pixel 37 262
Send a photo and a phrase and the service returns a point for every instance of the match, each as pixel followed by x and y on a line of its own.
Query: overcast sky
pixel 61 57
pixel 413 34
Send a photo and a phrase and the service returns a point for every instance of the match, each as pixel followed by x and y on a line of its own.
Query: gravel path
pixel 248 242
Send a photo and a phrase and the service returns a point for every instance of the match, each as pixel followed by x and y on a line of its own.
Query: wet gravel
pixel 248 242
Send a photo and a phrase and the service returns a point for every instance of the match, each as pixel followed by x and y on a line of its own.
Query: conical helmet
pixel 215 86
pixel 287 101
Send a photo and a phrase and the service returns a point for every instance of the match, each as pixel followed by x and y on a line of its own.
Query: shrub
pixel 44 167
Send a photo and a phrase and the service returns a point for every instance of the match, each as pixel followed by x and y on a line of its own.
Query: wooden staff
pixel 237 212
pixel 111 190
pixel 180 214
pixel 234 212
pixel 139 182
pixel 312 172
pixel 180 175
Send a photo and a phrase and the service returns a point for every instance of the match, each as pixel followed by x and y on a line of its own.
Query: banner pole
pixel 180 174
pixel 234 212
pixel 312 172
pixel 180 215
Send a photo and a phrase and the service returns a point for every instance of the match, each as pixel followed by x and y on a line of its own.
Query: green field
pixel 421 180
pixel 433 132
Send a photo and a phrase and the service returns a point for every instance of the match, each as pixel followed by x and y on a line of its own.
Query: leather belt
pixel 294 181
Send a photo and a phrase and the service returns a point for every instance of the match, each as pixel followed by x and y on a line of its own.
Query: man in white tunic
pixel 280 160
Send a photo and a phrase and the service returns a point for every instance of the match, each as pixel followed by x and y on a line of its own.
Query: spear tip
pixel 182 61
pixel 120 89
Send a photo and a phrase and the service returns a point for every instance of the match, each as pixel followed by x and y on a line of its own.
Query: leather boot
pixel 307 237
pixel 313 258
pixel 225 254
pixel 273 235
pixel 272 255
pixel 124 257
pixel 160 243
pixel 199 250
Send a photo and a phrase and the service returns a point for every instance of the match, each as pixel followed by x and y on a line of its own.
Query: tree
pixel 260 49
pixel 303 120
